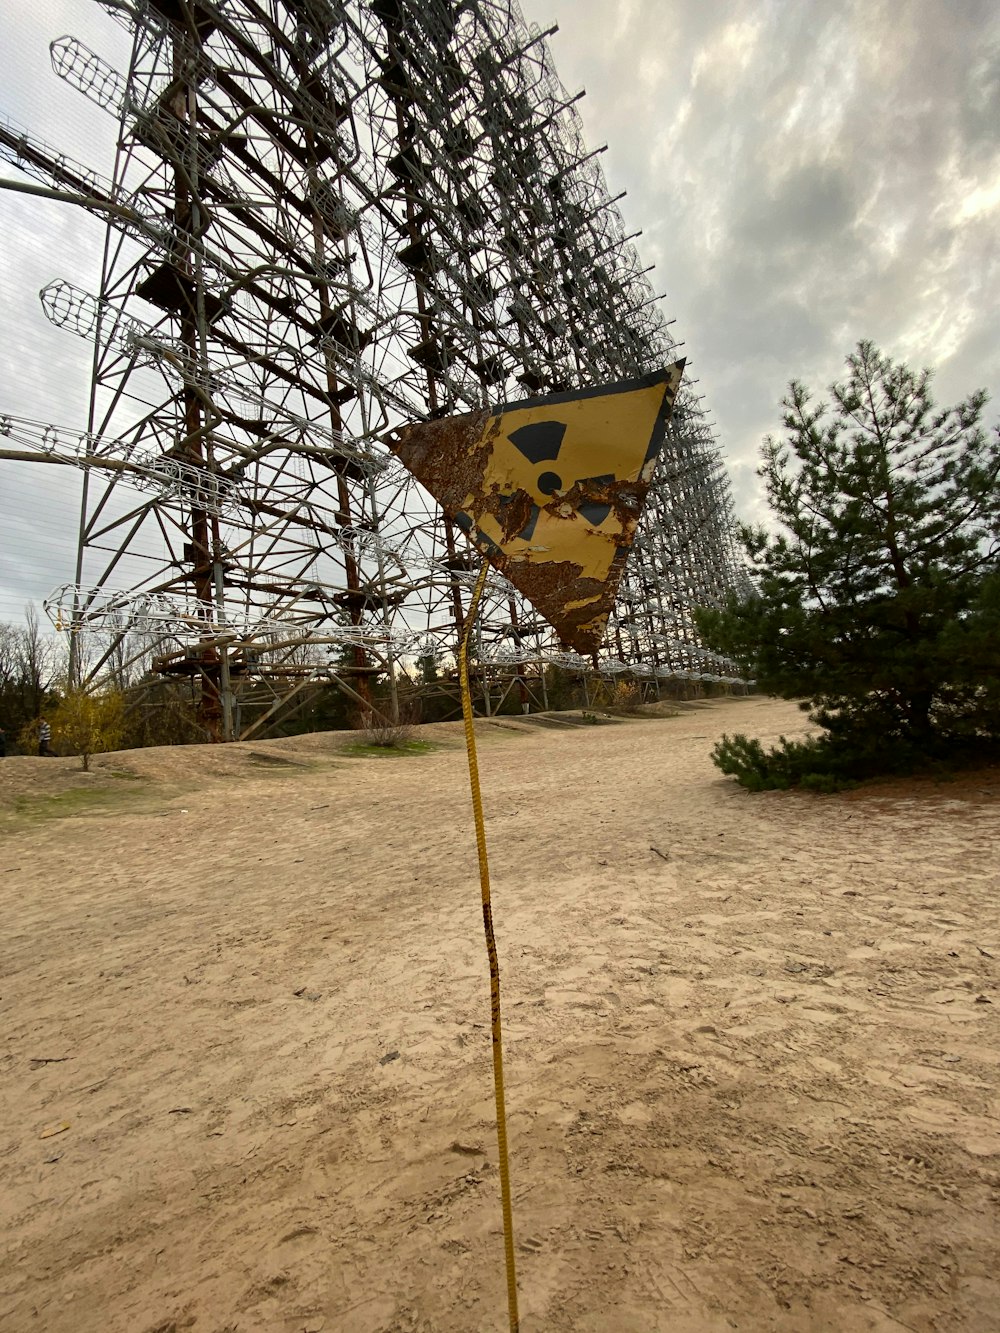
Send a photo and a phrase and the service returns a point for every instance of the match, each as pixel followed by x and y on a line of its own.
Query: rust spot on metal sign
pixel 551 490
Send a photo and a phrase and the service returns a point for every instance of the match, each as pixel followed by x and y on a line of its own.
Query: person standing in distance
pixel 44 739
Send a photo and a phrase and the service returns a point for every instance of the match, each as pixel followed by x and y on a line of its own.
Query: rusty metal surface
pixel 551 490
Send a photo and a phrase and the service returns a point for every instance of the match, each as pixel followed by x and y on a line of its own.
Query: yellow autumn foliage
pixel 87 724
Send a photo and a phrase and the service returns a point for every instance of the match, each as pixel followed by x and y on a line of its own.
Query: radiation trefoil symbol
pixel 551 490
pixel 542 441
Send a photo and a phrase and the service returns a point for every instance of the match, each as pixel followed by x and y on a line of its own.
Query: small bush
pixel 743 759
pixel 87 724
pixel 846 755
pixel 384 733
pixel 813 764
pixel 626 695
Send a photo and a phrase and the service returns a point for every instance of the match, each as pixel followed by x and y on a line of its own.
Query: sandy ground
pixel 245 1079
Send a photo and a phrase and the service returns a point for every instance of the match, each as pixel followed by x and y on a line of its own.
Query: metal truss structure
pixel 327 217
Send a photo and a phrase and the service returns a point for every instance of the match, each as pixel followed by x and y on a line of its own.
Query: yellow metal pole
pixel 491 949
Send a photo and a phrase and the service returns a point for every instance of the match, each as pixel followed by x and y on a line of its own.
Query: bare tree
pixel 36 663
pixel 9 658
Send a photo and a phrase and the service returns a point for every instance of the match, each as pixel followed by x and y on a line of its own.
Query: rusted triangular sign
pixel 551 490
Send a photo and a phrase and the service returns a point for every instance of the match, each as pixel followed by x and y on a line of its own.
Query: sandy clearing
pixel 753 1075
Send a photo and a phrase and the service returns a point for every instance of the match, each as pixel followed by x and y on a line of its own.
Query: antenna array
pixel 327 217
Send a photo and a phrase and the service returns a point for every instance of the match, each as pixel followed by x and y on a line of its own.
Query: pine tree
pixel 877 600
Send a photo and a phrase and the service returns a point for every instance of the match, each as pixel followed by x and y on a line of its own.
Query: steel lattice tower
pixel 325 219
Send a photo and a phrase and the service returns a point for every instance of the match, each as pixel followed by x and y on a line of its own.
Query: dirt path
pixel 753 1075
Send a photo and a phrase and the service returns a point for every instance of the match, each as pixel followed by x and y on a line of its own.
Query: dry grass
pixel 384 733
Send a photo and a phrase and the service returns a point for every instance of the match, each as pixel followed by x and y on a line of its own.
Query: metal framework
pixel 327 217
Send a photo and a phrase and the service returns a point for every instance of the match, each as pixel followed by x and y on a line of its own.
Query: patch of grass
pixel 363 750
pixel 65 804
pixel 389 735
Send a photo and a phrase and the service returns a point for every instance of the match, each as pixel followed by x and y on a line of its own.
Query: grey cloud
pixel 979 114
pixel 804 207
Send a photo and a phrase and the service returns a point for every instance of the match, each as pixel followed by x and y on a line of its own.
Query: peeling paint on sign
pixel 551 490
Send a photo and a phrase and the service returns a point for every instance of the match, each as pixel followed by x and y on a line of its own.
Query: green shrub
pixel 813 764
pixel 845 755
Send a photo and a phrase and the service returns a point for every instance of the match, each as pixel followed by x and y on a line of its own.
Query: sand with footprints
pixel 752 1041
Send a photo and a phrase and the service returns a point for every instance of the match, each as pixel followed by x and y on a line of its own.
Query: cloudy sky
pixel 806 173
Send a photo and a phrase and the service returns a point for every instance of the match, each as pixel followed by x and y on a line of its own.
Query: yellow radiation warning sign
pixel 551 490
